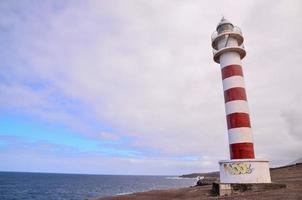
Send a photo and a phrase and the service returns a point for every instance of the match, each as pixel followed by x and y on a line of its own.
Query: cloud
pixel 45 157
pixel 145 70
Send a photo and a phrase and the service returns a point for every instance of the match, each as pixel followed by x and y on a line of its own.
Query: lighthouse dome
pixel 224 24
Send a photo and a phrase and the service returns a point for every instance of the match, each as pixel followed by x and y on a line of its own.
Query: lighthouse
pixel 243 167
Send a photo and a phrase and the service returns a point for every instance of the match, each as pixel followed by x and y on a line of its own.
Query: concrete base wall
pixel 225 189
pixel 244 171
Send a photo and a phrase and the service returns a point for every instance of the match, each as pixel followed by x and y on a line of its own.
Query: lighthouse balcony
pixel 234 32
pixel 239 49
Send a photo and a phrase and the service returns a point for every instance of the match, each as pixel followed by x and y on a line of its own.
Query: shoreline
pixel 290 175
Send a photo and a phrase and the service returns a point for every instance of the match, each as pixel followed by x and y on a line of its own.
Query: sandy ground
pixel 291 176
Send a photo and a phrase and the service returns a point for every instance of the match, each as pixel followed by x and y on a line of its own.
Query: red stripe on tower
pixel 231 70
pixel 236 93
pixel 238 120
pixel 242 150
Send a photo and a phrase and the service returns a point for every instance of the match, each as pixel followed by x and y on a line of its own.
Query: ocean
pixel 50 186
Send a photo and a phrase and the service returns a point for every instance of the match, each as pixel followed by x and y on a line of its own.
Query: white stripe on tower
pixel 237 106
pixel 240 135
pixel 233 81
pixel 229 58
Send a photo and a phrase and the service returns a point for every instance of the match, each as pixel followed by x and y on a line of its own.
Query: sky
pixel 130 86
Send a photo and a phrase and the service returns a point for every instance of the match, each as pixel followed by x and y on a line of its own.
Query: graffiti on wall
pixel 238 168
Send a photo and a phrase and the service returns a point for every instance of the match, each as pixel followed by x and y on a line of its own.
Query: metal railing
pixel 234 30
pixel 228 47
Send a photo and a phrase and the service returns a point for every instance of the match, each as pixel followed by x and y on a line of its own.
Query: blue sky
pixel 129 87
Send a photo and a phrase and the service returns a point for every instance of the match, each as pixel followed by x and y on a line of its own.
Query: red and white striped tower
pixel 228 50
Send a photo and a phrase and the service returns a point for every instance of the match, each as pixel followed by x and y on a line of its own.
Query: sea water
pixel 25 186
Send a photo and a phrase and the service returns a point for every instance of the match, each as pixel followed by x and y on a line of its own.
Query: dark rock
pixel 195 175
pixel 206 181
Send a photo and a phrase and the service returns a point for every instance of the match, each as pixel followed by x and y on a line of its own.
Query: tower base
pixel 244 171
pixel 225 189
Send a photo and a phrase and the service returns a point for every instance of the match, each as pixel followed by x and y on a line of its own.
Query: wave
pixel 178 178
pixel 123 193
